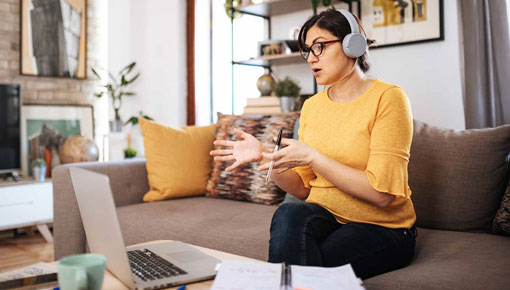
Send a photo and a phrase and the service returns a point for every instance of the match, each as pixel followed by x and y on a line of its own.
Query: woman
pixel 350 163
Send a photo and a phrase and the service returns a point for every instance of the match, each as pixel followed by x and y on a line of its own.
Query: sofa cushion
pixel 458 178
pixel 240 228
pixel 452 260
pixel 178 160
pixel 501 223
pixel 246 183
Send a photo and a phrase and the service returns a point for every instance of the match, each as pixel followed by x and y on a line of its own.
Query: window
pixel 248 30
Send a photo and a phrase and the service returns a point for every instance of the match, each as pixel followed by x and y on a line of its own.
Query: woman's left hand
pixel 295 154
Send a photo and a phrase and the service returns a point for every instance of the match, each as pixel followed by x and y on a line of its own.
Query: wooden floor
pixel 21 250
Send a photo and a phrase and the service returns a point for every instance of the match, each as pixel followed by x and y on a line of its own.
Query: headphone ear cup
pixel 354 45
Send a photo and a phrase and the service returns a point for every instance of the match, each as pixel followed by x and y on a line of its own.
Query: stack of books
pixel 263 105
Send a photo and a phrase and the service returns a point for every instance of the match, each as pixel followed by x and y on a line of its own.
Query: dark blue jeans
pixel 307 234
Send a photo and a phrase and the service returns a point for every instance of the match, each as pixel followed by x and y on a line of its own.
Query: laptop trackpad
pixel 186 256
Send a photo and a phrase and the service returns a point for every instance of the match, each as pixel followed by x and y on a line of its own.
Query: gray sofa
pixel 455 203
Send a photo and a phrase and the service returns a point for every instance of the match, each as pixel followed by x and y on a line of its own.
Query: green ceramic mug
pixel 84 271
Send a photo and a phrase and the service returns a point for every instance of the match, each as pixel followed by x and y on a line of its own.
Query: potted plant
pixel 287 90
pixel 135 136
pixel 129 152
pixel 315 4
pixel 116 88
pixel 38 169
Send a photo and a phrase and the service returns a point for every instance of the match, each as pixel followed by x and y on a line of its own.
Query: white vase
pixel 116 126
pixel 287 103
pixel 39 173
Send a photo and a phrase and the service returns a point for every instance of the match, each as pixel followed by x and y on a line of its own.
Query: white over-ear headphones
pixel 354 43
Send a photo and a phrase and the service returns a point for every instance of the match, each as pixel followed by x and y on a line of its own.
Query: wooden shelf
pixel 270 8
pixel 280 59
pixel 276 7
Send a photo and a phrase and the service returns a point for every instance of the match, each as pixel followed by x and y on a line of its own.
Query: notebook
pixel 271 276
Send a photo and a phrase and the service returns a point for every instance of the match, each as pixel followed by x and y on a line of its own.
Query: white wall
pixel 202 62
pixel 430 73
pixel 152 33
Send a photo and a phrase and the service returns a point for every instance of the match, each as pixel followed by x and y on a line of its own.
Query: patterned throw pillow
pixel 246 183
pixel 501 223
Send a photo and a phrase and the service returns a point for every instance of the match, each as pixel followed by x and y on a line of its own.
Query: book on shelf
pixel 250 275
pixel 263 101
pixel 262 110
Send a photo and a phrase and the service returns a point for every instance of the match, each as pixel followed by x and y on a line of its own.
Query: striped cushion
pixel 246 183
pixel 501 224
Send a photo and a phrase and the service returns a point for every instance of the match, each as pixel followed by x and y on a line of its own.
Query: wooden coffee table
pixel 111 282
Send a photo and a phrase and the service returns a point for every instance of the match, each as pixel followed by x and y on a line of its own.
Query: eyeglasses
pixel 316 48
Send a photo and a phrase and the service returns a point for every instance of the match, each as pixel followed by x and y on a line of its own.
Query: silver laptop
pixel 140 267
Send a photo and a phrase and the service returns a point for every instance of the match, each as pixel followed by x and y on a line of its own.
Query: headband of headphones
pixel 354 43
pixel 352 21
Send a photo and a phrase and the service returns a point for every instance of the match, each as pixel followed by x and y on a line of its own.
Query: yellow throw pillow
pixel 178 161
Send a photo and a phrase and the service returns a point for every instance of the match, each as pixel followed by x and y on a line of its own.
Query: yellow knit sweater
pixel 372 133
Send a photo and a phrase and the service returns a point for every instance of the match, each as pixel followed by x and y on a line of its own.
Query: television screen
pixel 10 156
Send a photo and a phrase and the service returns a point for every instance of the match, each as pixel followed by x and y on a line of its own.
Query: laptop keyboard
pixel 148 266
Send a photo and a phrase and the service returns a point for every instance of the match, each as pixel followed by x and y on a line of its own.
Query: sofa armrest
pixel 128 181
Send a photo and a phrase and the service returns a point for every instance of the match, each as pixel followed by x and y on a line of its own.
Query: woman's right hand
pixel 247 149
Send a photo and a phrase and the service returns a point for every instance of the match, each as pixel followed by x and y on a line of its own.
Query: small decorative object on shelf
pixel 294 33
pixel 39 169
pixel 265 84
pixel 78 149
pixel 135 135
pixel 129 152
pixel 287 90
pixel 116 89
pixel 274 47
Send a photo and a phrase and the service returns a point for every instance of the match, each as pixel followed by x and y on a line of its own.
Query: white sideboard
pixel 27 203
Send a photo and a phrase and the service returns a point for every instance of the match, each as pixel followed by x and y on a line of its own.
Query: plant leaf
pixel 127 94
pixel 109 87
pixel 96 74
pixel 133 121
pixel 123 81
pixel 133 79
pixel 315 4
pixel 128 68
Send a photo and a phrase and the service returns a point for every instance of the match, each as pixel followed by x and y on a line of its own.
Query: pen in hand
pixel 276 147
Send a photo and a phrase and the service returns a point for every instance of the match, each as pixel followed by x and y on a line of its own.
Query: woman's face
pixel 332 64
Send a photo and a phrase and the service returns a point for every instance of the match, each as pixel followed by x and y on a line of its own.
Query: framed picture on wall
pixel 45 127
pixel 53 38
pixel 397 22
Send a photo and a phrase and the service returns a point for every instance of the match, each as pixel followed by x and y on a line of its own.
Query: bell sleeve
pixel 390 144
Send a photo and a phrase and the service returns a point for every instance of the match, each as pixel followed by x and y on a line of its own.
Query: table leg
pixel 45 232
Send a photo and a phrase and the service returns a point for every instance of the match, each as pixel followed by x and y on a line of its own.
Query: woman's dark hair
pixel 333 21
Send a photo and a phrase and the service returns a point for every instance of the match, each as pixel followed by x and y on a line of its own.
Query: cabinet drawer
pixel 26 204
